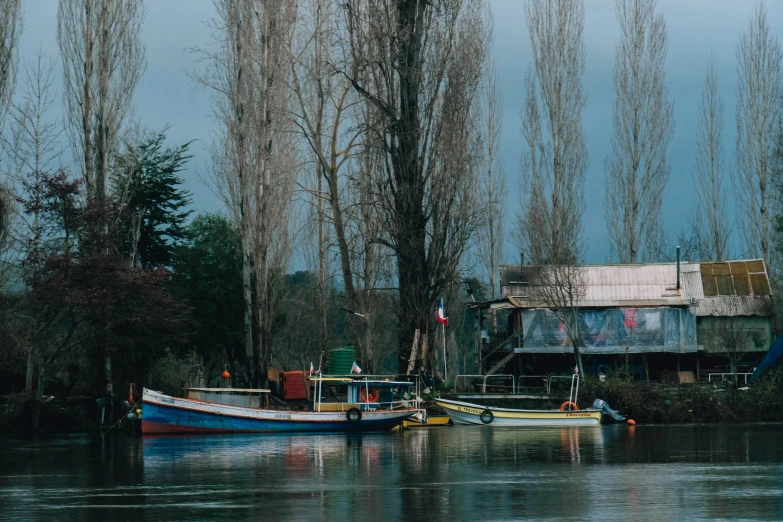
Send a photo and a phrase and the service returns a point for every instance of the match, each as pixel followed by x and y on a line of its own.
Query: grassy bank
pixel 684 403
pixel 652 402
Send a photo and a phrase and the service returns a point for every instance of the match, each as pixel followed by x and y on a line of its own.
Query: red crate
pixel 294 385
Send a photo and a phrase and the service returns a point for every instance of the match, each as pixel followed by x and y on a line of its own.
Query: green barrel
pixel 341 360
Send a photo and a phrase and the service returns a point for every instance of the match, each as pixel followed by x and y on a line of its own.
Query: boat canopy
pixel 377 383
pixel 229 390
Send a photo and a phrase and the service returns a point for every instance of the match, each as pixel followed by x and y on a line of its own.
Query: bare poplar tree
pixel 322 113
pixel 758 111
pixel 253 154
pixel 32 148
pixel 10 32
pixel 418 65
pixel 491 239
pixel 710 221
pixel 103 60
pixel 555 159
pixel 638 168
pixel 227 75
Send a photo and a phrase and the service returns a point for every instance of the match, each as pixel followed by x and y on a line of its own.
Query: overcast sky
pixel 696 29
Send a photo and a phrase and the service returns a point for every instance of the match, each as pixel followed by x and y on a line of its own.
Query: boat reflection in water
pixel 459 473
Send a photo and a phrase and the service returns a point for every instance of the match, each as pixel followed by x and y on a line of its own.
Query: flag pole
pixel 445 376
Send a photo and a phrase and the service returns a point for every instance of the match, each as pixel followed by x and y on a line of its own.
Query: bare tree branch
pixel 638 168
pixel 555 159
pixel 103 60
pixel 710 226
pixel 758 111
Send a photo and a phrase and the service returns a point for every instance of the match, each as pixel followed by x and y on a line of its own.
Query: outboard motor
pixel 601 405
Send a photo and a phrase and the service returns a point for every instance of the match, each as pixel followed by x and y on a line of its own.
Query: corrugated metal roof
pixel 727 306
pixel 644 285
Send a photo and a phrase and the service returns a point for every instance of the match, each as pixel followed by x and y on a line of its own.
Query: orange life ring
pixel 572 405
pixel 372 397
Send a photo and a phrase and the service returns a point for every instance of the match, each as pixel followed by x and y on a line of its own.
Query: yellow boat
pixel 431 422
pixel 466 413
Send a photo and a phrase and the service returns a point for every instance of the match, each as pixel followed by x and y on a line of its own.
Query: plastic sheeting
pixel 616 330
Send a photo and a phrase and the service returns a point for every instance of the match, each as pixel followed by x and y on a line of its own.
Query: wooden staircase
pixel 501 363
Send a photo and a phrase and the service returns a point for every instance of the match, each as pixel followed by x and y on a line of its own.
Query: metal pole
pixel 320 392
pixel 445 371
pixel 314 394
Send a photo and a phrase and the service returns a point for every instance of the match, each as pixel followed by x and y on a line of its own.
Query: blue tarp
pixel 611 331
pixel 769 360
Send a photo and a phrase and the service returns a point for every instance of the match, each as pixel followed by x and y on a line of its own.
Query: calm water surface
pixel 470 473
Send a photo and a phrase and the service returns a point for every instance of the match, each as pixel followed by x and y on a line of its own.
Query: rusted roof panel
pixel 760 284
pixel 741 284
pixel 725 288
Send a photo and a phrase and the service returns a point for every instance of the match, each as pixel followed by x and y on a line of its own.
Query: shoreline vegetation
pixel 648 402
pixel 643 401
pixel 356 154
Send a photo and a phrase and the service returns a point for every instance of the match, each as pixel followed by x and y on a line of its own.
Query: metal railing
pixel 484 380
pixel 731 374
pixel 552 378
pixel 544 377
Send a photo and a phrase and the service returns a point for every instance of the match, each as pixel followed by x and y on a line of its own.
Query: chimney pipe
pixel 678 268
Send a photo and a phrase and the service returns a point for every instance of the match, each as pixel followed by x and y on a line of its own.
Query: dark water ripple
pixel 471 473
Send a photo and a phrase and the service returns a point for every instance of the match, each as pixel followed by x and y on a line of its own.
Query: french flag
pixel 442 319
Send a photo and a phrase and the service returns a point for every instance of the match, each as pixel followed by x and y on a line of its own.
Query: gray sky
pixel 696 28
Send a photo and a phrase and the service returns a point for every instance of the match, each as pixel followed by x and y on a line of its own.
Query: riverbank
pixel 74 415
pixel 649 402
pixel 645 402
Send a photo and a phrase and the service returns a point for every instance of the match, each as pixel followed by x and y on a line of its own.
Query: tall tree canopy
pixel 152 204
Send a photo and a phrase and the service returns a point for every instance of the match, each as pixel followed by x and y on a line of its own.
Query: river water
pixel 447 473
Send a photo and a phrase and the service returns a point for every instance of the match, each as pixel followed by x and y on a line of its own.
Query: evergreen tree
pixel 207 273
pixel 152 206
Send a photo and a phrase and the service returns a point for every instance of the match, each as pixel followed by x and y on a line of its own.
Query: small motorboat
pixel 466 413
pixel 370 406
pixel 569 414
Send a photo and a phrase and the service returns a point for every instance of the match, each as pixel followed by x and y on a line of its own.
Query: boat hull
pixel 162 414
pixel 465 413
pixel 433 421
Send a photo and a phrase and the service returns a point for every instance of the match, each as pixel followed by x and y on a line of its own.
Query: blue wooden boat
pixel 370 406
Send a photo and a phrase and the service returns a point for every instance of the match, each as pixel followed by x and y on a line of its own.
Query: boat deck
pixel 502 396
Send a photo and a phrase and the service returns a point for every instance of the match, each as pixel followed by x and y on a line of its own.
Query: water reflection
pixel 647 472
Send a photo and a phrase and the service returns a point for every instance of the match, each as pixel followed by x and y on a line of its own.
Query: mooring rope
pixel 135 405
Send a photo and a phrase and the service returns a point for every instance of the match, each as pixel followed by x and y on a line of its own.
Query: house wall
pixel 721 334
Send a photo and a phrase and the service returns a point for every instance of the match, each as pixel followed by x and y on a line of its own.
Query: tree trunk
pixel 89 175
pixel 414 284
pixel 38 397
pixel 733 367
pixel 107 362
pixel 410 230
pixel 28 381
pixel 247 294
